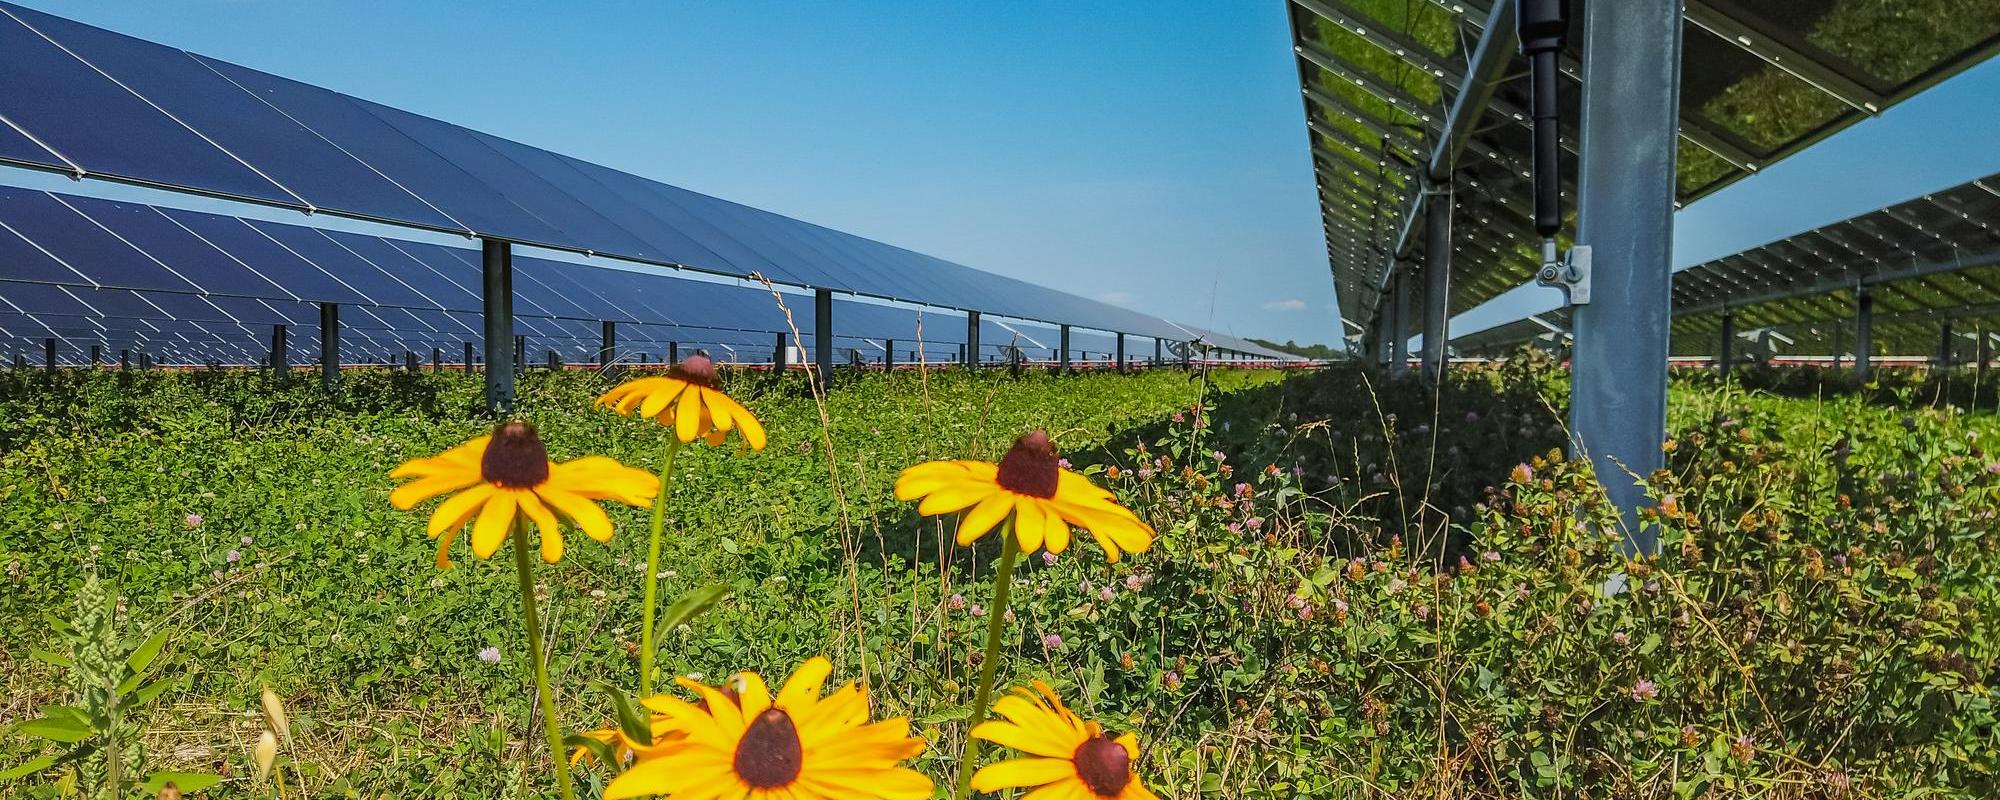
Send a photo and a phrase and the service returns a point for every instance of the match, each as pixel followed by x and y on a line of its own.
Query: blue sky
pixel 1149 154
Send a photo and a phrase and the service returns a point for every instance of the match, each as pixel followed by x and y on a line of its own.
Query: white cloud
pixel 1116 297
pixel 1287 304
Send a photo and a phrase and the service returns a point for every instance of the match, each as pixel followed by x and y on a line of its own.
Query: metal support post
pixel 437 360
pixel 410 361
pixel 520 355
pixel 888 355
pixel 1399 337
pixel 1062 348
pixel 673 352
pixel 1944 346
pixel 497 288
pixel 822 337
pixel 1437 277
pixel 124 360
pixel 781 358
pixel 1983 352
pixel 1625 187
pixel 1725 358
pixel 1864 334
pixel 973 339
pixel 555 361
pixel 329 347
pixel 607 346
pixel 1121 352
pixel 468 359
pixel 281 355
pixel 96 356
pixel 49 355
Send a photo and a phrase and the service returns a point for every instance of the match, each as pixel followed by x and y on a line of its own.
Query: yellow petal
pixel 1055 530
pixel 659 395
pixel 1022 772
pixel 755 695
pixel 582 513
pixel 444 548
pixel 455 511
pixel 687 417
pixel 983 517
pixel 549 529
pixel 495 521
pixel 408 495
pixel 718 408
pixel 1028 520
pixel 956 497
pixel 805 683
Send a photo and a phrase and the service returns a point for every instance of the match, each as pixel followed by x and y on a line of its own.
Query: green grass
pixel 1302 628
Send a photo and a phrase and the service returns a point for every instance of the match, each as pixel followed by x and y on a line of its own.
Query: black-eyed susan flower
pixel 508 474
pixel 743 743
pixel 1067 757
pixel 1030 484
pixel 687 400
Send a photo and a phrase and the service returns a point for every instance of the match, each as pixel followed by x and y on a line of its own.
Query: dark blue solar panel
pixel 276 145
pixel 120 303
pixel 249 311
pixel 407 269
pixel 21 260
pixel 168 243
pixel 578 225
pixel 343 265
pixel 583 286
pixel 337 118
pixel 84 246
pixel 16 146
pixel 281 266
pixel 569 175
pixel 38 298
pixel 105 128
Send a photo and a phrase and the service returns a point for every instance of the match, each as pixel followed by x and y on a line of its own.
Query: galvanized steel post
pixel 822 338
pixel 607 346
pixel 1399 338
pixel 329 346
pixel 1864 334
pixel 1625 208
pixel 1437 276
pixel 502 350
pixel 972 339
pixel 1726 357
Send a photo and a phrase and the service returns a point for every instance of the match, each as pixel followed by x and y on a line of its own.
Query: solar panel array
pixel 93 103
pixel 193 287
pixel 1760 81
pixel 1931 264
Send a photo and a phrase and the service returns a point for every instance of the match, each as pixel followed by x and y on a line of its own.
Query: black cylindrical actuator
pixel 1542 25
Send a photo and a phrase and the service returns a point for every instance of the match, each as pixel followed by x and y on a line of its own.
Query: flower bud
pixel 266 754
pixel 274 715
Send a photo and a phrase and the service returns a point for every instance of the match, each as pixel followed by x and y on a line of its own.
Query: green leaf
pixel 691 605
pixel 52 659
pixel 55 729
pixel 148 650
pixel 184 781
pixel 597 747
pixel 635 726
pixel 144 695
pixel 27 769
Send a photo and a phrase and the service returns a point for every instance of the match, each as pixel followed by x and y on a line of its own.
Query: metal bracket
pixel 1571 274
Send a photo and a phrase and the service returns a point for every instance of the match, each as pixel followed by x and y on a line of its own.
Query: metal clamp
pixel 1571 274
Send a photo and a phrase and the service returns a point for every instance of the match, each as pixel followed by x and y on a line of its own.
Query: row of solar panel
pixel 89 101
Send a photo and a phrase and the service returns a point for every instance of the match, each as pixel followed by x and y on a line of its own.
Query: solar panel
pixel 127 109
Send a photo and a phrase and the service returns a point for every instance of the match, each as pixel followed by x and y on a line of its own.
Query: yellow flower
pixel 665 733
pixel 797 745
pixel 509 472
pixel 1069 757
pixel 686 398
pixel 1029 483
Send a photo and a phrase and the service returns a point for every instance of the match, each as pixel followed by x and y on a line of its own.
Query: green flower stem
pixel 996 614
pixel 653 567
pixel 524 572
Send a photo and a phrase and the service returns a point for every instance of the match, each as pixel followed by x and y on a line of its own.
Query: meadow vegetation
pixel 1361 587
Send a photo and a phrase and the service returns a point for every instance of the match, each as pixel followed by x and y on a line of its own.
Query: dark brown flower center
pixel 1030 466
pixel 697 369
pixel 1103 765
pixel 769 755
pixel 515 458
